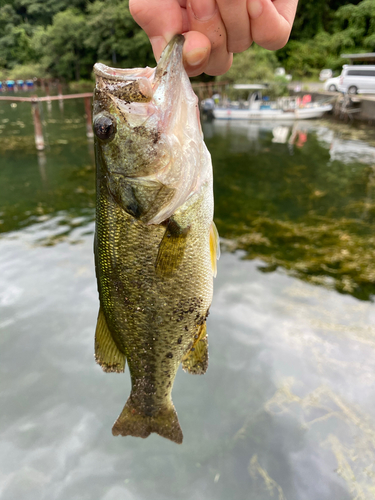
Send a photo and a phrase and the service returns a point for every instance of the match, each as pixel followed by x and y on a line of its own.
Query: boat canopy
pixel 249 86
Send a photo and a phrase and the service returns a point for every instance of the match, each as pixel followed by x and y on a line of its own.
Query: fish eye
pixel 104 127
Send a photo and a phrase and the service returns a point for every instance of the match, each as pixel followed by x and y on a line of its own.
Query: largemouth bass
pixel 155 242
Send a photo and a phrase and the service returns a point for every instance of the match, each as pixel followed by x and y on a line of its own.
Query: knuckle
pixel 236 46
pixel 272 41
pixel 215 68
pixel 134 8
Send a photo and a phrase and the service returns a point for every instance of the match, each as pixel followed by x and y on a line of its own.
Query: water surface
pixel 286 409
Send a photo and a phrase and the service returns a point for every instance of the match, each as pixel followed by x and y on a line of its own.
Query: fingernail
pixel 254 8
pixel 196 56
pixel 203 10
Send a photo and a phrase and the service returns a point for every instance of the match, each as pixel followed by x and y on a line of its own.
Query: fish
pixel 155 243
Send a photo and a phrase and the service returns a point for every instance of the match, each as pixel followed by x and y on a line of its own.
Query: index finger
pixel 160 19
pixel 287 9
pixel 276 16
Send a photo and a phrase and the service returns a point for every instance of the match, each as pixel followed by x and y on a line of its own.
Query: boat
pixel 308 112
pixel 256 108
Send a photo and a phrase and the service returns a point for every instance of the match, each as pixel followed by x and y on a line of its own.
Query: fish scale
pixel 154 280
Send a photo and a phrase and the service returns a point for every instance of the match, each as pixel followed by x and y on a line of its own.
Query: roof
pixel 367 56
pixel 249 86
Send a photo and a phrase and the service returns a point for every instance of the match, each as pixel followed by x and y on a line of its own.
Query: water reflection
pixel 284 411
pixel 290 201
pixel 286 408
pixel 299 196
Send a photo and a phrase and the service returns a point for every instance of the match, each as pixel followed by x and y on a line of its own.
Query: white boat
pixel 299 113
pixel 285 109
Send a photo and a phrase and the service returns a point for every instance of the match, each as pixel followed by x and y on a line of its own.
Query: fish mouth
pixel 122 74
pixel 171 57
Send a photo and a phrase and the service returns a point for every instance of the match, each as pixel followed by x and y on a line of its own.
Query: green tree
pixel 314 17
pixel 254 65
pixel 62 46
pixel 115 37
pixel 15 40
pixel 355 28
pixel 351 29
pixel 41 12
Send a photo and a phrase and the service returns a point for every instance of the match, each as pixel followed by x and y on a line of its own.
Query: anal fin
pixel 196 360
pixel 107 354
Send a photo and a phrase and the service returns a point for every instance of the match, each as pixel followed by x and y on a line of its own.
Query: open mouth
pixel 172 55
pixel 122 74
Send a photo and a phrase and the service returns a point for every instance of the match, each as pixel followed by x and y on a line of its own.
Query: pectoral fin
pixel 214 247
pixel 107 354
pixel 171 249
pixel 196 360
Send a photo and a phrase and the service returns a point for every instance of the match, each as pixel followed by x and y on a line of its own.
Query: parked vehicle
pixel 332 84
pixel 325 74
pixel 357 79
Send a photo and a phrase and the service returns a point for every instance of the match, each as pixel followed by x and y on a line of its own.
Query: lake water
pixel 286 410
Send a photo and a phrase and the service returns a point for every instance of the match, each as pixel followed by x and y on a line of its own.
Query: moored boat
pixel 308 111
pixel 257 108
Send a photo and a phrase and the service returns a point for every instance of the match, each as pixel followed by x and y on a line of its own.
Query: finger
pixel 196 52
pixel 287 9
pixel 271 27
pixel 237 23
pixel 204 17
pixel 160 19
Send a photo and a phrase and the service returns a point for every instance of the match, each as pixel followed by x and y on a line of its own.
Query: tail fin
pixel 133 422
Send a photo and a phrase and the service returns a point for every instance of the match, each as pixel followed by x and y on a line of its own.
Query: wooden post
pixel 200 93
pixel 49 103
pixel 60 94
pixel 89 131
pixel 47 89
pixel 38 129
pixel 42 161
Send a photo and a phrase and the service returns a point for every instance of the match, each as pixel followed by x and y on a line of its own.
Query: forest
pixel 62 39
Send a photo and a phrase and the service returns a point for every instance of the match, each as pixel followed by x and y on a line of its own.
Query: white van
pixel 357 79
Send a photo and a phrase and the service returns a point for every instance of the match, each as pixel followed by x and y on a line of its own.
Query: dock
pixel 349 108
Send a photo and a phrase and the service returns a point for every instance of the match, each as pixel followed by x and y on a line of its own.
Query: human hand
pixel 214 29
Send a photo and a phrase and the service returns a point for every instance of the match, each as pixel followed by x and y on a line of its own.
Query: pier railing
pixel 35 100
pixel 203 90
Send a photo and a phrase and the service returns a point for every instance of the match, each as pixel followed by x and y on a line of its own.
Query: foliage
pixel 66 37
pixel 278 87
pixel 62 45
pixel 254 65
pixel 315 17
pixel 26 72
pixel 114 35
pixel 321 35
